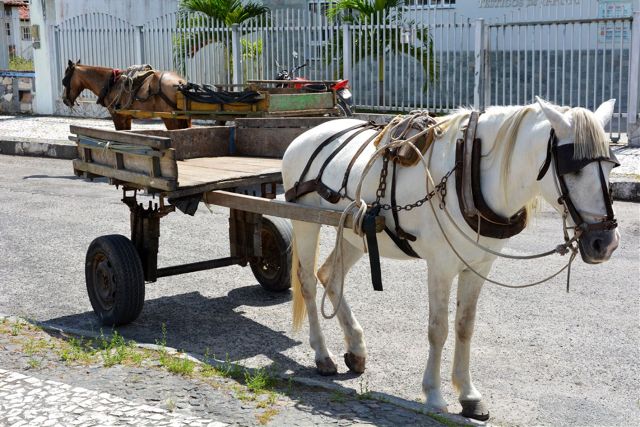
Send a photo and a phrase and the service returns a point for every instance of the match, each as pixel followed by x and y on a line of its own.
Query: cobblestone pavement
pixel 38 388
pixel 26 400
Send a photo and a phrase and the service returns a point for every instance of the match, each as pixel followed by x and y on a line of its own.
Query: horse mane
pixel 506 136
pixel 589 137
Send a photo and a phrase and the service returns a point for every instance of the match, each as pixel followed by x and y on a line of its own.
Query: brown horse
pixel 156 93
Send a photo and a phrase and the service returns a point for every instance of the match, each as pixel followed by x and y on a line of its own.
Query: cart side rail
pixel 140 161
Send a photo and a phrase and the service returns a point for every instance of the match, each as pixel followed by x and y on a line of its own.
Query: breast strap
pixel 473 206
pixel 300 188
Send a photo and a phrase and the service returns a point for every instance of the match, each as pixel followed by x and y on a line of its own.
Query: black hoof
pixel 474 409
pixel 326 367
pixel 354 363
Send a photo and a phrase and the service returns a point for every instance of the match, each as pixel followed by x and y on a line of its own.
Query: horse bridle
pixel 564 163
pixel 66 82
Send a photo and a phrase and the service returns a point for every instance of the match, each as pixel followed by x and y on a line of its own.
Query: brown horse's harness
pixel 110 83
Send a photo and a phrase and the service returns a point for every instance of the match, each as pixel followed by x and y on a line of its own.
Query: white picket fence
pixel 468 62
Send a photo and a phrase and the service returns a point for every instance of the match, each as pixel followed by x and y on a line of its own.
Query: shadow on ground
pixel 216 326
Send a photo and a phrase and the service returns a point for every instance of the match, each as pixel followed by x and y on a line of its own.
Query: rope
pixel 337 254
pixel 361 205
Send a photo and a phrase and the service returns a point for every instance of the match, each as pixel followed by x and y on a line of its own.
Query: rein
pixel 568 246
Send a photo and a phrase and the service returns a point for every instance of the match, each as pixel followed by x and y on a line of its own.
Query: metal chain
pixel 382 186
pixel 441 188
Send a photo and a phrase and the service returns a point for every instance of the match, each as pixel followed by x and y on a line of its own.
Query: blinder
pixel 66 82
pixel 565 163
pixel 568 164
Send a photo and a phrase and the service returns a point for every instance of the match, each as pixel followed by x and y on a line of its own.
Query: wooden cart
pixel 183 168
pixel 272 102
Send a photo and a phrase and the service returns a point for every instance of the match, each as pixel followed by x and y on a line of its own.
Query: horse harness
pixel 142 73
pixel 399 237
pixel 565 163
pixel 477 214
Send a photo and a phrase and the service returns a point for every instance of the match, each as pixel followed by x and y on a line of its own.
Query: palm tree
pixel 382 21
pixel 228 12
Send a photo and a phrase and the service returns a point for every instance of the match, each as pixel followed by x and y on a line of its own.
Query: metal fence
pixel 573 62
pixel 397 61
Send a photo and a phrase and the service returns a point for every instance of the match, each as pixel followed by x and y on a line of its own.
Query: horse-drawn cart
pixel 215 165
pixel 267 98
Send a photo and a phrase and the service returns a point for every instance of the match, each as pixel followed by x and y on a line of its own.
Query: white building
pixel 15 29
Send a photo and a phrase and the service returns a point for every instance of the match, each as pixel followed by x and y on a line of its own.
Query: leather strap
pixel 345 179
pixel 484 221
pixel 403 245
pixel 164 97
pixel 300 188
pixel 369 228
pixel 467 188
pixel 403 235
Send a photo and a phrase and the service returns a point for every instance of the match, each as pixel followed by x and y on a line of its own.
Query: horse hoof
pixel 475 409
pixel 355 363
pixel 326 367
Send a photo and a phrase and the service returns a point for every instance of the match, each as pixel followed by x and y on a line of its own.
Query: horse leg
pixel 356 354
pixel 121 122
pixel 173 124
pixel 469 286
pixel 439 290
pixel 304 285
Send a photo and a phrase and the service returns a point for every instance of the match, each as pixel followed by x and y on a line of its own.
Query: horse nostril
pixel 597 245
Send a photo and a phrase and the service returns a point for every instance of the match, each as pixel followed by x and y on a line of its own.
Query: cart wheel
pixel 273 269
pixel 115 280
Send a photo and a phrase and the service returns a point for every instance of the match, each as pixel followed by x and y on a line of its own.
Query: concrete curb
pixel 627 191
pixel 622 188
pixel 38 148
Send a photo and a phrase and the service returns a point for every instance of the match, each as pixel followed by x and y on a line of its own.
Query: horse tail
pixel 299 307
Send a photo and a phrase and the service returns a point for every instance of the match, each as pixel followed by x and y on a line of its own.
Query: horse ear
pixel 78 62
pixel 558 121
pixel 605 111
pixel 70 63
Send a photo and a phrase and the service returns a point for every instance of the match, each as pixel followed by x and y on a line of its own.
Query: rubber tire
pixel 343 109
pixel 117 256
pixel 277 233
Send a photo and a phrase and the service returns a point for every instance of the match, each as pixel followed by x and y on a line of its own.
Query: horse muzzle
pixel 597 246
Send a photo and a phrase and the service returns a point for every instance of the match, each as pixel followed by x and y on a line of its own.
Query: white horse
pixel 515 146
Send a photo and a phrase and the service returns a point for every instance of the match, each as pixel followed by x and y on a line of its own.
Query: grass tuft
pixel 177 364
pixel 259 381
pixel 267 416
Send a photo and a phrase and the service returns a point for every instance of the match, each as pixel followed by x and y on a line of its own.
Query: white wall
pixel 137 12
pixel 48 13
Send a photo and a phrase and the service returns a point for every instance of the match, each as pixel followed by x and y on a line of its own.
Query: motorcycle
pixel 344 99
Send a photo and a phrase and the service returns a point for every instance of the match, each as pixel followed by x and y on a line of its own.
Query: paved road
pixel 540 356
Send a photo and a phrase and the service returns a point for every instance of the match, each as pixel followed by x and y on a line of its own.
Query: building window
pixel 434 3
pixel 319 6
pixel 26 33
